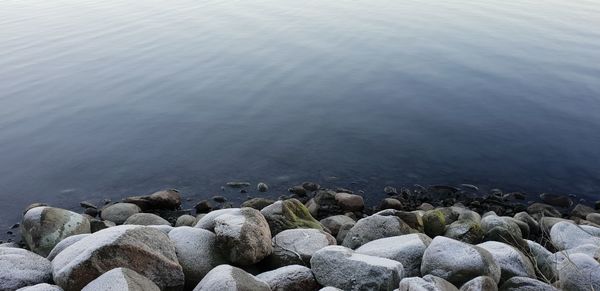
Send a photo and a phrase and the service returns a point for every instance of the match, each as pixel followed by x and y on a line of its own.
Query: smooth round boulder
pixel 229 278
pixel 458 262
pixel 297 246
pixel 340 267
pixel 185 220
pixel 349 202
pixel 289 214
pixel 44 227
pixel 121 279
pixel 407 249
pixel 290 278
pixel 63 244
pixel 197 252
pixel 566 235
pixel 146 219
pixel 145 250
pixel 375 227
pixel 20 268
pixel 465 230
pixel 119 212
pixel 526 284
pixel 481 283
pixel 41 287
pixel 580 272
pixel 427 283
pixel 207 221
pixel 512 262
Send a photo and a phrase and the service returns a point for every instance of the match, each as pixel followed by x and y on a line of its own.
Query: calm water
pixel 102 99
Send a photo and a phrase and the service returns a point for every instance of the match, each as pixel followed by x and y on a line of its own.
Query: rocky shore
pixel 423 238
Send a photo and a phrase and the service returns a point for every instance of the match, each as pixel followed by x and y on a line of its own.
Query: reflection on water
pixel 111 98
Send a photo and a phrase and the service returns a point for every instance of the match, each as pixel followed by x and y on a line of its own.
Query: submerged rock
pixel 229 278
pixel 121 279
pixel 20 268
pixel 262 187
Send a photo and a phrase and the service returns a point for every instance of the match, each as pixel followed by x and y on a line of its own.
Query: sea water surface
pixel 110 98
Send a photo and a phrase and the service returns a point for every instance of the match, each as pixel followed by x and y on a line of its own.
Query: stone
pixel 119 212
pixel 63 244
pixel 526 284
pixel 208 221
pixel 546 223
pixel 512 262
pixel 340 267
pixel 323 205
pixel 594 231
pixel 197 252
pixel 289 214
pixel 229 278
pixel 580 272
pixel 33 205
pixel 262 187
pixel 543 260
pixel 567 235
pixel 298 190
pixel 146 219
pixel 343 232
pixel 587 249
pixel 407 249
pixel 481 283
pixel 9 245
pixel 97 224
pixel 258 203
pixel 310 186
pixel 542 210
pixel 389 190
pixel 458 262
pixel 145 250
pixel 391 203
pixel 41 287
pixel 121 279
pixel 44 227
pixel 426 207
pixel 349 202
pixel 203 207
pixel 244 237
pixel 290 278
pixel 297 246
pixel 412 219
pixel 20 268
pixel 533 225
pixel 375 227
pixel 434 223
pixel 427 283
pixel 593 218
pixel 166 199
pixel 465 230
pixel 334 223
pixel 582 211
pixel 556 200
pixel 185 220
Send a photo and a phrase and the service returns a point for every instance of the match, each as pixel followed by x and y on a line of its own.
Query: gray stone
pixel 593 218
pixel 97 224
pixel 145 250
pixel 343 232
pixel 262 187
pixel 481 283
pixel 207 221
pixel 44 227
pixel 582 211
pixel 580 272
pixel 119 212
pixel 289 214
pixel 567 235
pixel 9 245
pixel 340 267
pixel 427 283
pixel 297 246
pixel 41 287
pixel 146 219
pixel 407 249
pixel 290 278
pixel 167 199
pixel 121 279
pixel 538 210
pixel 458 262
pixel 349 202
pixel 526 284
pixel 532 224
pixel 63 244
pixel 197 252
pixel 185 220
pixel 587 249
pixel 245 237
pixel 229 278
pixel 543 260
pixel 20 268
pixel 412 219
pixel 465 230
pixel 375 227
pixel 258 203
pixel 334 223
pixel 434 222
pixel 512 262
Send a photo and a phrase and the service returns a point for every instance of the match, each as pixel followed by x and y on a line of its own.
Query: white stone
pixel 21 268
pixel 427 283
pixel 121 279
pixel 579 273
pixel 567 235
pixel 297 246
pixel 63 244
pixel 512 262
pixel 41 287
pixel 290 278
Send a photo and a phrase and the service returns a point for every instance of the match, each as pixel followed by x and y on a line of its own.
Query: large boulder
pixel 481 283
pixel 407 249
pixel 121 279
pixel 197 252
pixel 21 268
pixel 146 219
pixel 427 283
pixel 334 223
pixel 458 262
pixel 119 212
pixel 166 199
pixel 44 227
pixel 502 228
pixel 289 214
pixel 207 221
pixel 580 272
pixel 526 284
pixel 340 267
pixel 229 278
pixel 567 235
pixel 375 227
pixel 512 262
pixel 290 278
pixel 145 250
pixel 297 246
pixel 63 244
pixel 41 287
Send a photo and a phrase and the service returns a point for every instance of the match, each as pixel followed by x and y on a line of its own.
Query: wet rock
pixel 298 190
pixel 119 212
pixel 185 220
pixel 389 190
pixel 375 227
pixel 538 210
pixel 349 202
pixel 20 268
pixel 310 186
pixel 86 204
pixel 41 287
pixel 92 212
pixel 334 223
pixel 290 278
pixel 229 278
pixel 121 279
pixel 166 199
pixel 262 187
pixel 63 244
pixel 323 205
pixel 579 273
pixel 219 199
pixel 289 214
pixel 237 184
pixel 526 284
pixel 197 252
pixel 258 203
pixel 481 283
pixel 567 235
pixel 458 262
pixel 44 227
pixel 143 249
pixel 556 200
pixel 203 207
pixel 434 223
pixel 512 262
pixel 407 249
pixel 146 219
pixel 297 246
pixel 427 283
pixel 340 267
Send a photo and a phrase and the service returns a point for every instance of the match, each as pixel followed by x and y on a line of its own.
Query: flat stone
pixel 41 287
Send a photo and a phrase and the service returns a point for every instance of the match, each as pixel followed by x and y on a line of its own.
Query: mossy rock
pixel 434 223
pixel 465 230
pixel 289 214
